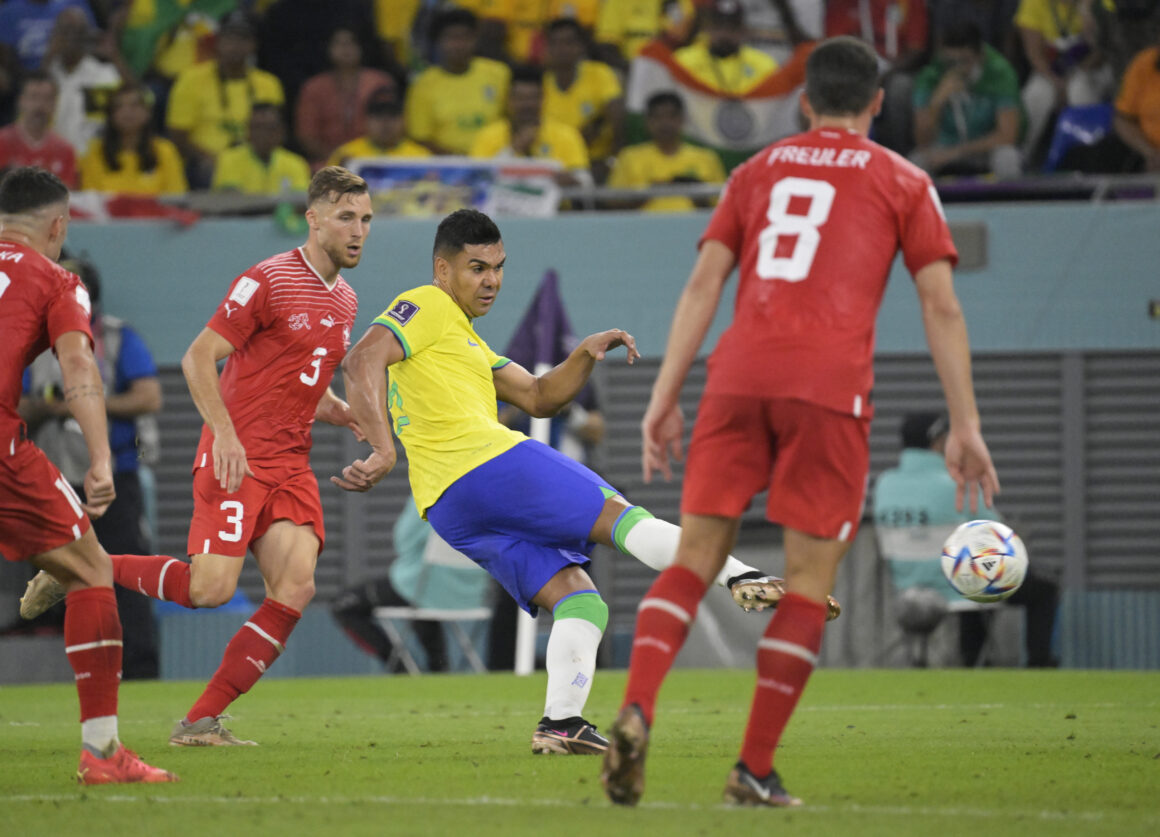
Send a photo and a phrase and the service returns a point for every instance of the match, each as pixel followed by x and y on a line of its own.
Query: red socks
pixel 92 641
pixel 252 650
pixel 662 623
pixel 786 656
pixel 157 576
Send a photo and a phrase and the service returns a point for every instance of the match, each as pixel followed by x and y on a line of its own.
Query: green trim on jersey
pixel 398 332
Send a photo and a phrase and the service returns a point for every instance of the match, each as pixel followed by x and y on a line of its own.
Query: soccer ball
pixel 984 561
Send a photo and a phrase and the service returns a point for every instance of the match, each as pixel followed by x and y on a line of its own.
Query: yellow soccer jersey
pixel 217 118
pixel 595 86
pixel 732 76
pixel 553 142
pixel 363 147
pixel 240 168
pixel 448 110
pixel 647 165
pixel 442 396
pixel 630 24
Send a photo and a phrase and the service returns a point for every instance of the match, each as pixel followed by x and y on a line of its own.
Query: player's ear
pixel 312 218
pixel 442 268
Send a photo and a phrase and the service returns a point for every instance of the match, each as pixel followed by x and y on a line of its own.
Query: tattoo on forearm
pixel 83 391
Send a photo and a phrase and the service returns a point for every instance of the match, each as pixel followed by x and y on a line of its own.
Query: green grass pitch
pixel 871 752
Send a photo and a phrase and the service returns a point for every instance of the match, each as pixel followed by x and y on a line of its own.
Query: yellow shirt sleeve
pixel 417 109
pixel 415 319
pixel 625 174
pixel 181 112
pixel 491 140
pixel 170 167
pixel 568 147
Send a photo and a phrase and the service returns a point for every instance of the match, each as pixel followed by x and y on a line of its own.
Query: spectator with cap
pixel 966 108
pixel 385 135
pixel 332 105
pixel 448 104
pixel 209 106
pixel 30 141
pixel 918 492
pixel 262 166
pixel 722 61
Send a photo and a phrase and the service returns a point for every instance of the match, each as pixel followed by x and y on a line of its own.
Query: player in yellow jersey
pixel 524 512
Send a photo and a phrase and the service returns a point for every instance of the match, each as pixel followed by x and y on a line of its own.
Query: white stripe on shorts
pixel 71 496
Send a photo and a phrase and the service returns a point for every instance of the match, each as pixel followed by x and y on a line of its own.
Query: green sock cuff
pixel 624 524
pixel 587 606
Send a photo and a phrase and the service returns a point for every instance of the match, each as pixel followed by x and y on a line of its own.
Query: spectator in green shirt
pixel 967 108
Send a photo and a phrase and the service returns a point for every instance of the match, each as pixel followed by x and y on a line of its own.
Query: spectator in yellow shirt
pixel 129 158
pixel 723 61
pixel 385 136
pixel 526 133
pixel 209 106
pixel 449 103
pixel 584 94
pixel 666 159
pixel 262 166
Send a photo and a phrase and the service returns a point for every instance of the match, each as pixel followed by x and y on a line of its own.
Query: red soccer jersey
pixel 290 332
pixel 39 301
pixel 815 221
pixel 54 154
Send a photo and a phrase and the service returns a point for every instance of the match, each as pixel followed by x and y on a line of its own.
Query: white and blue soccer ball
pixel 984 561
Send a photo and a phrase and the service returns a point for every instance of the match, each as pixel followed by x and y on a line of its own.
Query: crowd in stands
pixel 156 97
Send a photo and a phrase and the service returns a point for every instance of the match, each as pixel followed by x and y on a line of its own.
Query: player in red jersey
pixel 41 519
pixel 285 326
pixel 814 222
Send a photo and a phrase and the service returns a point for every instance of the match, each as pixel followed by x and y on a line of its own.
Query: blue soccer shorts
pixel 523 516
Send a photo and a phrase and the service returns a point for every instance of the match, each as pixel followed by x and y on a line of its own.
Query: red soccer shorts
pixel 226 524
pixel 813 460
pixel 39 510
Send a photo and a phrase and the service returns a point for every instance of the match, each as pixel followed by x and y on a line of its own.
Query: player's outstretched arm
pixel 84 395
pixel 968 460
pixel 364 373
pixel 547 394
pixel 662 428
pixel 201 375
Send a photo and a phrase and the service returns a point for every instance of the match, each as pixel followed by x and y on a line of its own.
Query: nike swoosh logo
pixel 469 343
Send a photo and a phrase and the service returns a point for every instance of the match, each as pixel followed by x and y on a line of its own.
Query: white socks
pixel 653 542
pixel 99 735
pixel 571 662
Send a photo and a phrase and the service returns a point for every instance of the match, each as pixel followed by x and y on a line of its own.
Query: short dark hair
pixel 453 17
pixel 963 34
pixel 463 227
pixel 561 24
pixel 841 77
pixel 266 107
pixel 38 77
pixel 332 182
pixel 664 97
pixel 527 74
pixel 28 188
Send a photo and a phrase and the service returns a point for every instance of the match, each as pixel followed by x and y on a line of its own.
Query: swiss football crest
pixel 299 321
pixel 403 311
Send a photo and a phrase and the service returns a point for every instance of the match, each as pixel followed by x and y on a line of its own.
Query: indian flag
pixel 734 126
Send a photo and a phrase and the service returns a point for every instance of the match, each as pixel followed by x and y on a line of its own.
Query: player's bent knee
pixel 211 592
pixel 294 594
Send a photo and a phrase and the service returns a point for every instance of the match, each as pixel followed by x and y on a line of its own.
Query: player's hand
pixel 99 490
pixel 229 462
pixel 337 412
pixel 362 474
pixel 662 434
pixel 969 464
pixel 598 345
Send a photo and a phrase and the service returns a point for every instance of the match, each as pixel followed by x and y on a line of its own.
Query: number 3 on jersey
pixel 310 377
pixel 795 266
